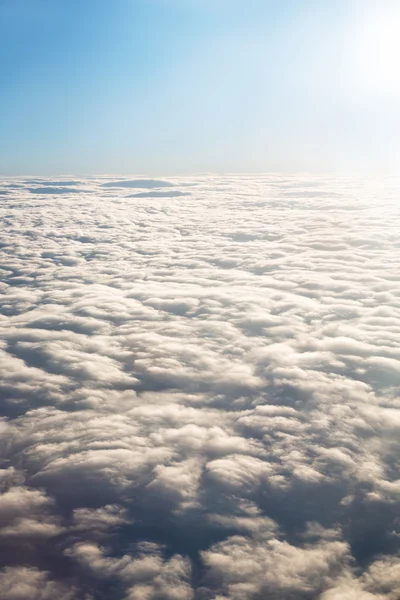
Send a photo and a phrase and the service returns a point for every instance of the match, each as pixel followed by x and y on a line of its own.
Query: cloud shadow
pixel 139 183
pixel 160 194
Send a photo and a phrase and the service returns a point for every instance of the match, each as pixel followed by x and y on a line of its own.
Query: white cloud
pixel 200 393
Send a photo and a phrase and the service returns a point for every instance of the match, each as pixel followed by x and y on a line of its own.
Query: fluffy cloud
pixel 23 583
pixel 199 389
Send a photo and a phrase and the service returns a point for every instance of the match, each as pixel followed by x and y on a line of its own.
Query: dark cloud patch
pixel 54 183
pixel 156 194
pixel 138 183
pixel 53 190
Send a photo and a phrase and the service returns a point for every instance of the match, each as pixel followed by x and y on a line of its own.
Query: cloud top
pixel 200 396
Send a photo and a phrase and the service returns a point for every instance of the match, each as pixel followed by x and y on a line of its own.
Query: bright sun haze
pixel 167 86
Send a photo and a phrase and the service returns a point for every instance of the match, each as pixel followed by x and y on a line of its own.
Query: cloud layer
pixel 200 390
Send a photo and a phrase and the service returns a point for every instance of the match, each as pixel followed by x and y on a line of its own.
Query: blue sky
pixel 182 86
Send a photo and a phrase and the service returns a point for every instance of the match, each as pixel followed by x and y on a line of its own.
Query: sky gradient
pixel 174 86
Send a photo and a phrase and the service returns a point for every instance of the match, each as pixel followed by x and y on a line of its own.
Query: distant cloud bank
pixel 200 391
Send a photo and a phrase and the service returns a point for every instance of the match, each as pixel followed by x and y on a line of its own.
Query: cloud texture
pixel 200 389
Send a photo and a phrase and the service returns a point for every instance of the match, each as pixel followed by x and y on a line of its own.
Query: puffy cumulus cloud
pixel 200 389
pixel 147 575
pixel 246 567
pixel 23 583
pixel 24 513
pixel 381 580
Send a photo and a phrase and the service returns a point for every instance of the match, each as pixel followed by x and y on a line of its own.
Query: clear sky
pixel 181 86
